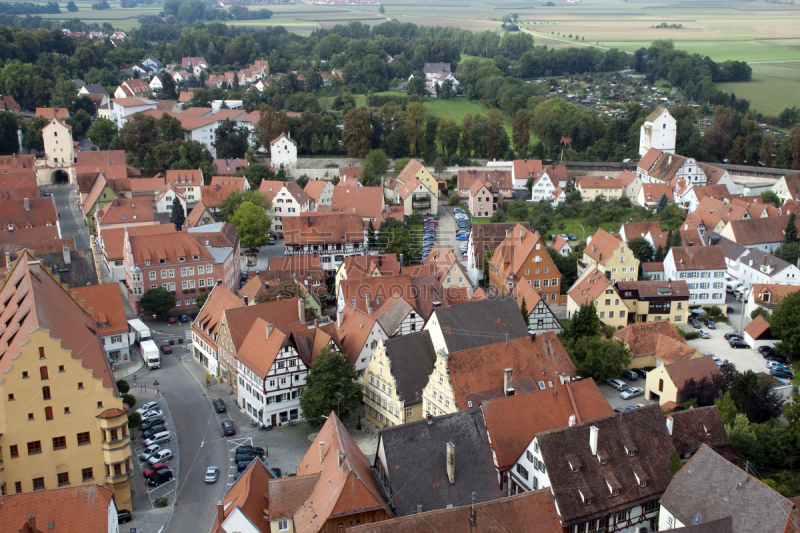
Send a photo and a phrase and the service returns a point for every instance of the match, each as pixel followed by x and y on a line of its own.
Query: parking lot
pixel 614 399
pixel 744 359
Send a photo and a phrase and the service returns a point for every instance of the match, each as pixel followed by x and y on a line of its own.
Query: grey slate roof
pixel 79 273
pixel 730 249
pixel 393 315
pixel 707 488
pixel 416 460
pixel 220 254
pixel 759 257
pixel 96 88
pixel 723 525
pixel 482 322
pixel 412 358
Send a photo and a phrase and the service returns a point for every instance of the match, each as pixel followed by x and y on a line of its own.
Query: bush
pixel 608 331
pixel 689 335
pixel 454 199
pixel 123 386
pixel 759 311
pixel 129 399
pixel 134 420
pixel 161 502
pixel 714 310
pixel 723 319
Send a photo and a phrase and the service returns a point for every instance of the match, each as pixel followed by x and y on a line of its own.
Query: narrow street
pixel 70 218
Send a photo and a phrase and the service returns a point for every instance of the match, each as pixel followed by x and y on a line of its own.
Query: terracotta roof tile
pixel 271 188
pixel 213 195
pixel 513 421
pixel 719 192
pixel 642 337
pixel 250 493
pixel 197 213
pixel 479 371
pixel 322 228
pixel 698 425
pixel 649 159
pixel 185 177
pixel 17 184
pixel 602 245
pixel 590 287
pixel 698 257
pixel 497 180
pixel 126 210
pixel 760 230
pixel 17 161
pixel 314 189
pixel 671 351
pixel 419 291
pixel 354 331
pixel 105 302
pixel 286 495
pixel 168 246
pixel 626 177
pixel 594 182
pixel 41 212
pixel 772 292
pixel 559 243
pixel 757 327
pixel 209 318
pixel 655 289
pixel 52 112
pixel 487 237
pixel 228 167
pixel 509 258
pixel 29 236
pixel 100 157
pixel 361 201
pixel 282 314
pixel 58 506
pixel 113 240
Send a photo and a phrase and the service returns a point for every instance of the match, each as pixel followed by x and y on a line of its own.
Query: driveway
pixel 264 254
pixel 447 230
pixel 614 399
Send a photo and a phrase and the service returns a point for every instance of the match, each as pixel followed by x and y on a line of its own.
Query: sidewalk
pixel 123 370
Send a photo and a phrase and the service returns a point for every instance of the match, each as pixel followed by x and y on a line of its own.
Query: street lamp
pixel 584 232
pixel 745 297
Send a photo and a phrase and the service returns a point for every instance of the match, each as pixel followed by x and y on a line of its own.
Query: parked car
pixel 732 334
pixel 149 451
pixel 244 448
pixel 271 241
pixel 704 334
pixel 710 323
pixel 695 323
pixel 219 406
pixel 631 393
pixel 237 475
pixel 736 343
pixel 147 424
pixel 252 250
pixel 153 413
pixel 641 372
pixel 158 438
pixel 227 428
pixel 778 364
pixel 244 457
pixel 184 318
pixel 47 193
pixel 276 471
pixel 159 478
pixel 160 456
pixel 781 374
pixel 778 359
pixel 764 349
pixel 165 348
pixel 123 515
pixel 241 466
pixel 152 469
pixel 149 406
pixel 159 428
pixel 617 384
pixel 212 472
pixel 630 375
pixel 172 320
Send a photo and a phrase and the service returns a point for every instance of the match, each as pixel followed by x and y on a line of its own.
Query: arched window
pixel 48 413
pixel 46 393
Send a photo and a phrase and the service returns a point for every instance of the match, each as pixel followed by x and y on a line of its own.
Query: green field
pixel 775 86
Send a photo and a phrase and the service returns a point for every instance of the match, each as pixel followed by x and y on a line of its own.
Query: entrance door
pixel 274 420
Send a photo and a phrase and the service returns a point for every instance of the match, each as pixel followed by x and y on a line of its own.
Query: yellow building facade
pixel 384 405
pixel 415 169
pixel 62 420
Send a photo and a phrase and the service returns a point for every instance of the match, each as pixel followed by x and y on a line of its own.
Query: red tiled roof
pixel 757 327
pixel 126 210
pixel 250 493
pixel 361 201
pixel 100 157
pixel 698 257
pixel 167 246
pixel 59 506
pixel 52 112
pixel 114 238
pixel 105 302
pixel 642 338
pixel 41 212
pixel 513 421
pixel 682 371
pixel 238 182
pixel 595 182
pixel 602 246
pixel 208 320
pixel 649 159
pixel 590 287
pixel 323 228
pixel 213 195
pixel 496 179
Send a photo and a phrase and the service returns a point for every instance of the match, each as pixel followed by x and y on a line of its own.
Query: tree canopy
pixel 158 300
pixel 331 386
pixel 253 225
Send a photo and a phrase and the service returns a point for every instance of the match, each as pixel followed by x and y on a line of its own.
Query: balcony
pixel 420 201
pixel 765 304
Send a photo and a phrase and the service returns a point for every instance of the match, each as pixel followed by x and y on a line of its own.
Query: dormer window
pixel 162 261
pixel 588 501
pixel 615 493
pixel 643 484
pixel 603 461
pixel 195 257
pixel 104 324
pixel 181 259
pixel 147 263
pixel 576 469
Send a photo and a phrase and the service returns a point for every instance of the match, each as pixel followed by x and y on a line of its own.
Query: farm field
pixel 775 86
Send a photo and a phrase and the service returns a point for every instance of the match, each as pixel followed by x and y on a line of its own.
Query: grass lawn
pixel 774 87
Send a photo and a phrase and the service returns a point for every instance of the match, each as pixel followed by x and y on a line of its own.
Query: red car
pixel 172 320
pixel 165 348
pixel 155 468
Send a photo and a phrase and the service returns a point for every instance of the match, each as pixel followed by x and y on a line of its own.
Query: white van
pixel 158 438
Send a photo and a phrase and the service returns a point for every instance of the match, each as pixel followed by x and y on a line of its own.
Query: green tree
pixel 371 241
pixel 454 199
pixel 642 249
pixel 231 140
pixel 381 10
pixel 675 463
pixel 169 128
pixel 585 323
pixel 177 215
pixel 64 93
pixel 231 203
pixel 784 324
pixel 788 252
pixel 413 127
pixel 157 301
pixel 134 420
pixel 525 313
pixel 168 89
pixel 672 217
pixel 400 164
pixel 598 358
pixel 332 386
pixel 758 401
pixel 129 400
pixel 102 133
pixel 357 132
pixel 521 130
pixel 790 233
pixel 32 134
pixel 439 166
pixel 416 86
pixel 123 386
pixel 253 225
pixel 663 202
pixel 375 164
pixel 727 408
pixel 759 311
pixel 80 122
pixel 71 6
pixel 770 196
pixel 201 299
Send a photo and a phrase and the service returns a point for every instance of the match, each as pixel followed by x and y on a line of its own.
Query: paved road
pixel 71 219
pixel 199 437
pixel 264 254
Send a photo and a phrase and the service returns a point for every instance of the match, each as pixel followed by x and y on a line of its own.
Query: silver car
pixel 633 392
pixel 617 384
pixel 212 472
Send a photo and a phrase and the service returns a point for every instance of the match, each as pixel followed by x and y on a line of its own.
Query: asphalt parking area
pixel 744 359
pixel 614 399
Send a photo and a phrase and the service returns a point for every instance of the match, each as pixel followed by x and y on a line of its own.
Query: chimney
pixel 508 380
pixel 321 455
pixel 341 458
pixel 533 338
pixel 669 424
pixel 451 462
pixel 593 431
pixel 220 512
pixel 571 420
pixel 27 208
pixel 593 248
pixel 429 417
pixel 301 309
pixel 245 301
pixel 32 523
pixel 308 219
pixel 67 257
pixel 400 270
pixel 369 306
pixel 269 329
pixel 316 322
pixel 339 316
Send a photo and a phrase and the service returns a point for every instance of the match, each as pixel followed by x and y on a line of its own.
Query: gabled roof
pixel 58 506
pixel 759 230
pixel 340 490
pixel 41 212
pixel 421 292
pixel 261 346
pixel 358 265
pixel 602 245
pixel 392 313
pixel 523 291
pixel 649 159
pixel 717 192
pixel 226 167
pixel 640 431
pixel 236 181
pixel 36 299
pixel 775 291
pixel 354 330
pixel 667 166
pixel 100 157
pixel 412 360
pixel 105 304
pixel 168 246
pixel 409 171
pixel 593 284
pixel 656 289
pixel 322 228
pixel 713 174
pixel 114 238
pixel 408 188
pixel 314 189
pixel 209 318
pixel 480 322
pixel 709 487
pixel 698 257
pixel 671 351
pixel 657 112
pixel 361 201
pixel 682 371
pixel 642 337
pixel 513 421
pixel 766 263
pixel 653 192
pixel 197 213
pixel 477 374
pixel 626 177
pixel 52 112
pixel 496 180
pixel 510 257
pixel 758 327
pixel 594 182
pixel 416 459
pixel 639 229
pixel 487 237
pixel 284 137
pixel 559 243
pixel 250 494
pixel 126 210
pixel 532 512
pixel 213 195
pixel 697 426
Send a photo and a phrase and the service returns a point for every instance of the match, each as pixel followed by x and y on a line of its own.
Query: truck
pixel 139 332
pixel 150 354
